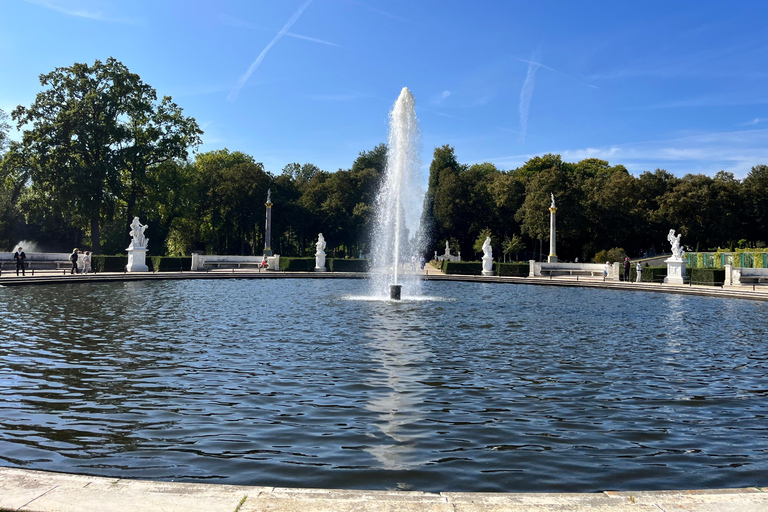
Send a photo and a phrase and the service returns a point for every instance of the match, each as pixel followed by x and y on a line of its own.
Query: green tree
pixel 91 134
pixel 4 129
pixel 512 245
pixel 480 240
pixel 754 192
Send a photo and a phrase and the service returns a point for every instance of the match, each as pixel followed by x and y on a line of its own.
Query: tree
pixel 754 191
pixel 4 129
pixel 480 240
pixel 93 132
pixel 512 246
pixel 154 133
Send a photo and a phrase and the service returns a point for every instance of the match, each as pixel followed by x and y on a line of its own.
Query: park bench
pixel 232 264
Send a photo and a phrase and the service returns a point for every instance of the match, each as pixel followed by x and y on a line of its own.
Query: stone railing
pixel 208 261
pixel 38 260
pixel 736 276
pixel 543 268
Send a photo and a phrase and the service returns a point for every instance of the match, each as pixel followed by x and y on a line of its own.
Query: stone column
pixel 552 258
pixel 268 229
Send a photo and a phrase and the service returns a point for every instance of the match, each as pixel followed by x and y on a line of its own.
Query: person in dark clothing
pixel 19 256
pixel 626 269
pixel 73 258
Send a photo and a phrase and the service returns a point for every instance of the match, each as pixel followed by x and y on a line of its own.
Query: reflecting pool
pixel 476 387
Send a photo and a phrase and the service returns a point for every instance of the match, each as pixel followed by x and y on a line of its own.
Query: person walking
pixel 73 258
pixel 626 269
pixel 87 262
pixel 19 256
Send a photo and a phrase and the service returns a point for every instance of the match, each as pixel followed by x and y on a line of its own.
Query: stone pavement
pixel 39 491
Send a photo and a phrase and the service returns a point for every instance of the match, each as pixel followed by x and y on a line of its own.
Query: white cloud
pixel 78 9
pixel 705 153
pixel 526 93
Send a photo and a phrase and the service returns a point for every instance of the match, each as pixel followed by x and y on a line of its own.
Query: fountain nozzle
pixel 394 291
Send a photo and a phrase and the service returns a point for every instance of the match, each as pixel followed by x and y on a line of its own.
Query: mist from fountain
pixel 397 238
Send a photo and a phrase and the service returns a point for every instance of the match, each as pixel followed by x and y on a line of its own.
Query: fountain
pixel 399 203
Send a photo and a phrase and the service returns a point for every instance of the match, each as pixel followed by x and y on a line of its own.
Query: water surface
pixel 481 387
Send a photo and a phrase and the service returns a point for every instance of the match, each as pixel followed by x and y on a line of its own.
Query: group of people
pixel 80 265
pixel 626 266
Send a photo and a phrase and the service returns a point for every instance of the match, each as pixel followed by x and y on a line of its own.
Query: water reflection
pixel 392 332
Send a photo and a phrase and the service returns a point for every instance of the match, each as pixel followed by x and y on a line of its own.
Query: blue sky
pixel 657 84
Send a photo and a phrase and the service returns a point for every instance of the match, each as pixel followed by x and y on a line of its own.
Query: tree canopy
pixel 98 146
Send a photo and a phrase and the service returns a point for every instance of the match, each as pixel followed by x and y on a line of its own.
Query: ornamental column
pixel 268 228
pixel 552 236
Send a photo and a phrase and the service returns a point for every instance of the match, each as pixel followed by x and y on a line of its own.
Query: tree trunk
pixel 95 235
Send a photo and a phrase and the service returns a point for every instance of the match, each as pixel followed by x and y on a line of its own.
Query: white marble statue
pixel 269 195
pixel 677 250
pixel 137 234
pixel 553 200
pixel 320 254
pixel 487 257
pixel 487 249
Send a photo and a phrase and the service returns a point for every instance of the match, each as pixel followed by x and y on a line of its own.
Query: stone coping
pixel 40 491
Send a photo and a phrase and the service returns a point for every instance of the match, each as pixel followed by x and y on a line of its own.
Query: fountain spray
pixel 400 199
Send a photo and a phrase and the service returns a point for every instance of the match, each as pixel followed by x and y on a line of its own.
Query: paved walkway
pixel 37 491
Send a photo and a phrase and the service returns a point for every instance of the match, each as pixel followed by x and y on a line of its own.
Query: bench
pixel 233 264
pixel 754 279
pixel 568 272
pixel 37 265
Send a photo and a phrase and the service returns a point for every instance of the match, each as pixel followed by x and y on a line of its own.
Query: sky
pixel 676 85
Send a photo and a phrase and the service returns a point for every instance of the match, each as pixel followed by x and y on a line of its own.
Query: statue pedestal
pixel 320 262
pixel 675 271
pixel 487 265
pixel 137 257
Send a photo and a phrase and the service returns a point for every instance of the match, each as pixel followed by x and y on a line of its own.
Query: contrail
pixel 241 82
pixel 526 93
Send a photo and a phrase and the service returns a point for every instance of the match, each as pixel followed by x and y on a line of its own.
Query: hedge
pixel 650 274
pixel 707 276
pixel 170 263
pixel 513 269
pixel 102 263
pixel 347 265
pixel 297 264
pixel 465 268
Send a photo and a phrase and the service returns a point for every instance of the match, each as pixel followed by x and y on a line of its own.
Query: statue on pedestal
pixel 677 250
pixel 320 254
pixel 487 257
pixel 137 250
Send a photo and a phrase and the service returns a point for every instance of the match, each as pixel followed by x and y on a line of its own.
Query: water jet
pixel 397 235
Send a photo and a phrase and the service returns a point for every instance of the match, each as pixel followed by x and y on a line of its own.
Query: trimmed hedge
pixel 513 269
pixel 707 276
pixel 347 265
pixel 297 264
pixel 170 263
pixel 465 268
pixel 650 274
pixel 102 263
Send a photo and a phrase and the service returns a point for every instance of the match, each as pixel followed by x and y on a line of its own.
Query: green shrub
pixel 650 274
pixel 170 263
pixel 347 265
pixel 102 263
pixel 513 269
pixel 615 254
pixel 707 276
pixel 297 264
pixel 465 268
